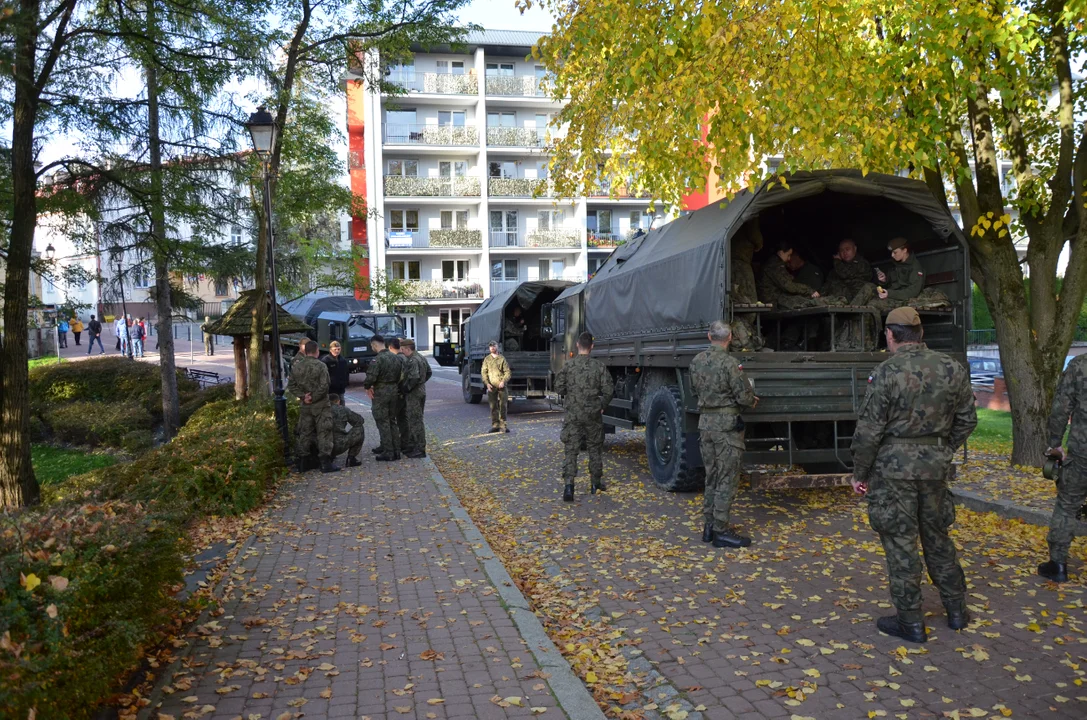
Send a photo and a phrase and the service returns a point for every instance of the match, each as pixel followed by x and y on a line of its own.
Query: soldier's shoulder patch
pixel 740 365
pixel 870 378
pixel 920 273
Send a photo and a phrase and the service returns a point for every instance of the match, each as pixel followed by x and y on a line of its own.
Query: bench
pixel 205 377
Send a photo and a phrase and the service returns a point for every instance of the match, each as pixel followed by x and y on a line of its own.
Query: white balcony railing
pixel 405 186
pixel 405 239
pixel 434 135
pixel 536 239
pixel 435 83
pixel 518 85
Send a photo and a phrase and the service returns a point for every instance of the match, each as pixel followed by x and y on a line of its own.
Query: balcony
pixel 536 239
pixel 417 239
pixel 436 83
pixel 517 187
pixel 433 135
pixel 518 86
pixel 405 186
pixel 443 289
pixel 516 137
pixel 498 286
pixel 607 240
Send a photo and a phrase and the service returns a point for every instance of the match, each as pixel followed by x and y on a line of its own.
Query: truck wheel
pixel 467 391
pixel 667 446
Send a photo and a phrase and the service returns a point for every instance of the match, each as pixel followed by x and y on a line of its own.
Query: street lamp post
pixel 127 348
pixel 262 129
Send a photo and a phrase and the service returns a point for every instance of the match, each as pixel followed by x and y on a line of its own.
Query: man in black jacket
pixel 338 370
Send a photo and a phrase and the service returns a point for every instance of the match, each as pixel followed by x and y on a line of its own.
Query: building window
pixel 220 288
pixel 141 278
pixel 635 220
pixel 595 263
pixel 499 69
pixel 402 71
pixel 454 219
pixel 550 219
pixel 235 234
pixel 504 169
pixel 451 67
pixel 406 168
pixel 451 118
pixel 453 316
pixel 404 270
pixel 403 220
pixel 454 270
pixel 551 269
pixel 501 119
pixel 504 270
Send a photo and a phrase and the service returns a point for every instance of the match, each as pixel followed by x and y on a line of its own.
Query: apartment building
pixel 455 172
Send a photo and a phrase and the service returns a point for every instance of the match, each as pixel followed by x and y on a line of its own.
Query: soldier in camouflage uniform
pixel 309 383
pixel 344 440
pixel 806 273
pixel 904 281
pixel 513 330
pixel 723 393
pixel 588 388
pixel 742 249
pixel 777 285
pixel 851 278
pixel 496 373
pixel 918 410
pixel 1072 488
pixel 413 389
pixel 382 380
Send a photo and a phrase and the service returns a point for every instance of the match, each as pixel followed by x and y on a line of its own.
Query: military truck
pixel 650 305
pixel 344 318
pixel 528 354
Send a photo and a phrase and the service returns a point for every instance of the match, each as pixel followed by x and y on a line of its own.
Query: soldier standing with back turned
pixel 495 374
pixel 919 409
pixel 309 383
pixel 413 387
pixel 723 393
pixel 382 380
pixel 1072 487
pixel 588 388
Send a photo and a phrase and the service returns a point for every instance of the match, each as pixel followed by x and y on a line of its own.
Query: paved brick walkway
pixel 360 597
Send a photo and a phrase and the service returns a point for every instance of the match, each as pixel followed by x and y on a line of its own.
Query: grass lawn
pixel 993 433
pixel 51 360
pixel 53 465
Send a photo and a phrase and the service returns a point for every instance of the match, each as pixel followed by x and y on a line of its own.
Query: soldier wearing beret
pixel 918 410
pixel 902 283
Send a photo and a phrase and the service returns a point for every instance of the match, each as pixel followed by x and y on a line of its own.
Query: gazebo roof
pixel 238 320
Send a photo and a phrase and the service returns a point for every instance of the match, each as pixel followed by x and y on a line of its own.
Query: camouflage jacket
pixel 513 328
pixel 1067 404
pixel 747 242
pixel 309 375
pixel 916 393
pixel 495 370
pixel 343 416
pixel 385 370
pixel 722 390
pixel 905 280
pixel 848 277
pixel 587 386
pixel 810 275
pixel 417 373
pixel 777 281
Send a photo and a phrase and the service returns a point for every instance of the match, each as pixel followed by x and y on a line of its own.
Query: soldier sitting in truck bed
pixel 514 330
pixel 904 281
pixel 851 277
pixel 777 285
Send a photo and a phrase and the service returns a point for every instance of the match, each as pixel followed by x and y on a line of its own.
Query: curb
pixel 1007 509
pixel 572 695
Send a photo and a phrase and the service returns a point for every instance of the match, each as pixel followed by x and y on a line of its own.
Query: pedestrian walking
pixel 382 386
pixel 209 338
pixel 1072 483
pixel 309 383
pixel 94 332
pixel 339 372
pixel 587 388
pixel 723 392
pixel 496 373
pixel 413 389
pixel 349 431
pixel 62 332
pixel 918 410
pixel 77 328
pixel 119 331
pixel 138 333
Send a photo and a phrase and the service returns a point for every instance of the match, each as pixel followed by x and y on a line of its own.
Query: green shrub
pixel 113 424
pixel 63 649
pixel 104 379
pixel 191 402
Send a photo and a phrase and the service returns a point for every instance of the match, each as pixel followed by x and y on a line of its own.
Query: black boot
pixel 730 539
pixel 568 493
pixel 957 618
pixel 388 457
pixel 377 451
pixel 415 454
pixel 707 532
pixel 910 632
pixel 327 466
pixel 494 430
pixel 597 485
pixel 300 464
pixel 352 462
pixel 1053 570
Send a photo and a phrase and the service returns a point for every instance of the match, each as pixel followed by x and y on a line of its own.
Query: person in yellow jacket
pixel 496 373
pixel 77 328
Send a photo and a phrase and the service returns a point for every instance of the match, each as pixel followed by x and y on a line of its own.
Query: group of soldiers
pixel 396 385
pixel 918 410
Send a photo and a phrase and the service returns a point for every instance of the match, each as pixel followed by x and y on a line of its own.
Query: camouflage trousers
pixel 575 432
pixel 498 400
pixel 412 431
pixel 349 442
pixel 722 458
pixel 901 511
pixel 1071 492
pixel 386 400
pixel 867 296
pixel 315 427
pixel 744 336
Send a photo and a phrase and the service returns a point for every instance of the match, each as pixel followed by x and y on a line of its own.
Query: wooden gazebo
pixel 238 324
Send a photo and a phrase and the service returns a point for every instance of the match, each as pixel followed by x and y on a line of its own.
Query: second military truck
pixel 345 319
pixel 650 305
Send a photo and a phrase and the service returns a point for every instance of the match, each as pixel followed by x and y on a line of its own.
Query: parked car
pixel 986 366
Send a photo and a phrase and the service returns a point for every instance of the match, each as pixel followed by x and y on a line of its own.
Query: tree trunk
pixel 258 385
pixel 171 410
pixel 240 369
pixel 18 486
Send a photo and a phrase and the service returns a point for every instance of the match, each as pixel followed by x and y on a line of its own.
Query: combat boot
pixel 910 632
pixel 495 429
pixel 568 493
pixel 352 462
pixel 388 457
pixel 327 466
pixel 597 485
pixel 378 450
pixel 730 539
pixel 415 454
pixel 707 532
pixel 1053 570
pixel 957 618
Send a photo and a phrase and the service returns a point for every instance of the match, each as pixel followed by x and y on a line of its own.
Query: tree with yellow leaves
pixel 943 88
